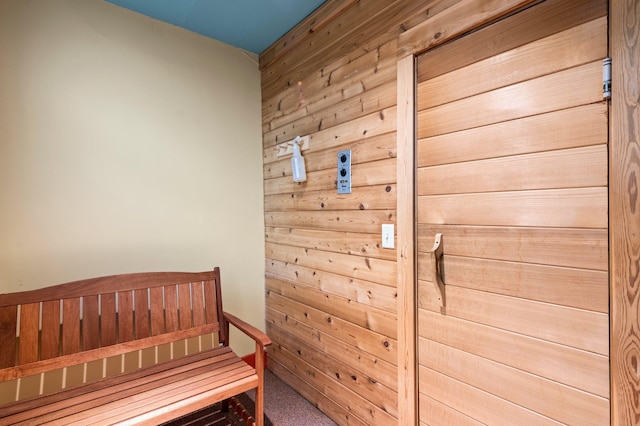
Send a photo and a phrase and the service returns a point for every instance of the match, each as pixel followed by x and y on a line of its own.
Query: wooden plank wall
pixel 331 291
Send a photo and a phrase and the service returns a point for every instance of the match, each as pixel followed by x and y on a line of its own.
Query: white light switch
pixel 387 235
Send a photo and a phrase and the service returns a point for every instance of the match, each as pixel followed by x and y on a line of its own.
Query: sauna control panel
pixel 344 172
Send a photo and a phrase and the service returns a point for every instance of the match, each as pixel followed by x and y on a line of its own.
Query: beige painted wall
pixel 127 145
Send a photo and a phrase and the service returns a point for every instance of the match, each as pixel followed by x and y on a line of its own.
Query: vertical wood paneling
pixel 624 182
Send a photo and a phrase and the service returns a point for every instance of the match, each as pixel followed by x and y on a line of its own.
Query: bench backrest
pixel 91 319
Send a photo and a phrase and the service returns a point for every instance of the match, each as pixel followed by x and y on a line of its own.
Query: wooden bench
pixel 101 318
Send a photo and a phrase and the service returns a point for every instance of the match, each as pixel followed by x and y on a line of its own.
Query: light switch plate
pixel 388 240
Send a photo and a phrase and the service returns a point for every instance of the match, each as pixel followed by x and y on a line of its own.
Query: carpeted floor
pixel 286 407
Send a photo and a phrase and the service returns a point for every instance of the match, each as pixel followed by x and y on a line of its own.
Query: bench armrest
pixel 248 329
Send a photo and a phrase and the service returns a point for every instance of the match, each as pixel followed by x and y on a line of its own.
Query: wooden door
pixel 512 171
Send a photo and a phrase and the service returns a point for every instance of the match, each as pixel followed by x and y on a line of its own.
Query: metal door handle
pixel 436 267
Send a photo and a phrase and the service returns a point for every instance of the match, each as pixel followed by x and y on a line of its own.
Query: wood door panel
pixel 433 412
pixel 476 403
pixel 570 128
pixel 519 29
pixel 573 367
pixel 569 247
pixel 512 170
pixel 576 288
pixel 565 89
pixel 571 168
pixel 571 327
pixel 587 43
pixel 563 208
pixel 521 388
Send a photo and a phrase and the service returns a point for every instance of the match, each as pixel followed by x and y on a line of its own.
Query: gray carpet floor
pixel 286 407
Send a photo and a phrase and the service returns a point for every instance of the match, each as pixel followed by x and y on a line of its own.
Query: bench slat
pixel 184 302
pixel 125 317
pixel 71 326
pixel 210 302
pixel 8 328
pixel 142 313
pixel 213 306
pixel 90 323
pixel 108 331
pixel 50 338
pixel 171 302
pixel 198 304
pixel 28 345
pixel 157 311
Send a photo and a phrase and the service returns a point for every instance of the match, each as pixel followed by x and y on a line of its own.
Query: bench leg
pixel 260 389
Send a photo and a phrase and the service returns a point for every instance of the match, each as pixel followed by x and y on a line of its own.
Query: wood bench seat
pixel 149 395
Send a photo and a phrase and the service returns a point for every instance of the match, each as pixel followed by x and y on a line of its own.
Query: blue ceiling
pixel 252 25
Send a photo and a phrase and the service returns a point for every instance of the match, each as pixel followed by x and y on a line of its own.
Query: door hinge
pixel 606 78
